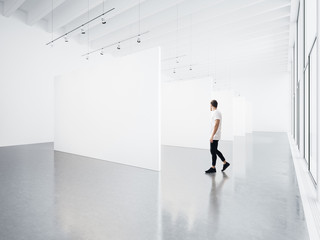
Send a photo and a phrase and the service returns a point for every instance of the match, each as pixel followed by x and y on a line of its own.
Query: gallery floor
pixel 53 195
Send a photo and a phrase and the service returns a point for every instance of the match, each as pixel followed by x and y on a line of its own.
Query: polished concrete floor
pixel 53 195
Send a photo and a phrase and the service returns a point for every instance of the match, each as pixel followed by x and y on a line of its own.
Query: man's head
pixel 213 105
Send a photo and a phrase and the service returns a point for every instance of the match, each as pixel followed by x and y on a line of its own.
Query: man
pixel 215 136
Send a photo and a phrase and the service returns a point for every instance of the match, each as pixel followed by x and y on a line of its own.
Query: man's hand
pixel 211 140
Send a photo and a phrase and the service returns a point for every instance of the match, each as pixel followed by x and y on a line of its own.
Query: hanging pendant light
pixel 138 39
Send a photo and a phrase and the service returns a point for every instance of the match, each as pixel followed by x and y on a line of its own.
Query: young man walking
pixel 216 123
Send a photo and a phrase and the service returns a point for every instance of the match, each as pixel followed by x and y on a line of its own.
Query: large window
pixel 304 85
pixel 313 163
pixel 306 114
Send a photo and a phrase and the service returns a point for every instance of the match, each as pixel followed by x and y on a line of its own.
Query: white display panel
pixel 111 111
pixel 186 113
pixel 258 104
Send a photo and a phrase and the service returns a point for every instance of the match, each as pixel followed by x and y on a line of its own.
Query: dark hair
pixel 214 103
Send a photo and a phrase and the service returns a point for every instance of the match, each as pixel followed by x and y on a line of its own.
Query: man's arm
pixel 215 129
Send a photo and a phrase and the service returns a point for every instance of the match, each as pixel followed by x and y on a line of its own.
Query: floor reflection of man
pixel 214 204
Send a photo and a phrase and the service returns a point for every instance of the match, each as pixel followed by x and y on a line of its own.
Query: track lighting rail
pixel 80 26
pixel 115 43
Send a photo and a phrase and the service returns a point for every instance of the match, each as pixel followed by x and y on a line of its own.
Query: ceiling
pixel 219 38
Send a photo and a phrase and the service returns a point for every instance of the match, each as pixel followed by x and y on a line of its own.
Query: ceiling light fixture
pixel 88 35
pixel 80 26
pixel 83 31
pixel 51 23
pixel 139 40
pixel 179 67
pixel 103 20
pixel 101 52
pixel 191 52
pixel 115 43
pixel 172 58
pixel 66 38
pixel 177 33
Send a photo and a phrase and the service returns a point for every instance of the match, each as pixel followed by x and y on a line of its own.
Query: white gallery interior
pixel 119 81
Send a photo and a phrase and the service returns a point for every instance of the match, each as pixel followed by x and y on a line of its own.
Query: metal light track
pixel 115 43
pixel 80 26
pixel 171 58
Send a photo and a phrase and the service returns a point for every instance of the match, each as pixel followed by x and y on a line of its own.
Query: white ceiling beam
pixel 166 33
pixel 74 13
pixel 123 15
pixel 166 21
pixel 11 6
pixel 166 14
pixel 43 8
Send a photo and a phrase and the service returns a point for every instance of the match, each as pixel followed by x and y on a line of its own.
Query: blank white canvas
pixel 112 111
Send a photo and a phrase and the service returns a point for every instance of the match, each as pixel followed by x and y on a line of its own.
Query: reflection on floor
pixel 53 195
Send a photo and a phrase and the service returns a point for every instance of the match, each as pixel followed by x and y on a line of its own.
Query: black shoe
pixel 211 170
pixel 225 166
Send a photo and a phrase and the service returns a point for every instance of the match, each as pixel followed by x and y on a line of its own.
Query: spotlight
pixel 139 40
pixel 101 52
pixel 174 70
pixel 66 38
pixel 118 46
pixel 190 68
pixel 87 57
pixel 103 20
pixel 177 60
pixel 83 31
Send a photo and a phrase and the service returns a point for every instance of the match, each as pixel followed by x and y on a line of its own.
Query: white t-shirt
pixel 216 114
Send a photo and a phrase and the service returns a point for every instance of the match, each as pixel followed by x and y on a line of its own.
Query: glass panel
pixel 306 114
pixel 313 113
pixel 311 23
pixel 300 95
pixel 293 74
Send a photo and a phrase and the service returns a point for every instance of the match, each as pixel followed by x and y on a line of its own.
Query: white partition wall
pixel 186 113
pixel 111 111
pixel 254 105
pixel 26 89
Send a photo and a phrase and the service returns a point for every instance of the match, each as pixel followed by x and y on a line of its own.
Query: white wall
pixel 26 96
pixel 270 99
pixel 111 111
pixel 251 104
pixel 27 73
pixel 186 113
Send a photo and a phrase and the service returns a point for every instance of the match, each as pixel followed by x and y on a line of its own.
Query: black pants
pixel 214 152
